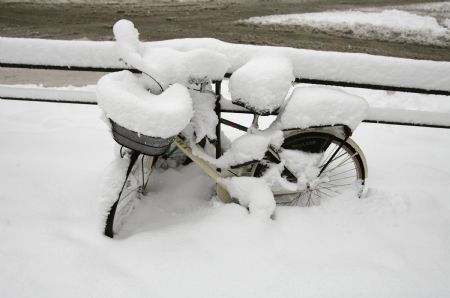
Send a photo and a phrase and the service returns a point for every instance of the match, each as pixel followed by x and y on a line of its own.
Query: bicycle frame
pixel 248 169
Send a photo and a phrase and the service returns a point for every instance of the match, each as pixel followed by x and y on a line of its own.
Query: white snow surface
pixel 347 67
pixel 393 243
pixel 262 83
pixel 253 193
pixel 316 106
pixel 125 99
pixel 389 24
pixel 31 91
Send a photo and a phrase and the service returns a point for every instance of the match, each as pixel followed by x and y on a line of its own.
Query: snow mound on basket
pixel 262 83
pixel 125 99
pixel 168 65
pixel 316 106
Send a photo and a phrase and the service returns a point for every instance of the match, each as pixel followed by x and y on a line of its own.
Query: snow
pixel 262 83
pixel 389 24
pixel 68 93
pixel 393 243
pixel 125 99
pixel 316 106
pixel 166 65
pixel 247 148
pixel 384 105
pixel 253 193
pixel 347 67
pixel 205 120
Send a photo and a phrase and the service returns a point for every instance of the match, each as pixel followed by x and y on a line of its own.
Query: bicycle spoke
pixel 328 184
pixel 338 179
pixel 321 189
pixel 341 172
pixel 341 163
pixel 334 159
pixel 330 152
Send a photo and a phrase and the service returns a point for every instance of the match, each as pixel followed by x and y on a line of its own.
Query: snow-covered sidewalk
pixel 394 243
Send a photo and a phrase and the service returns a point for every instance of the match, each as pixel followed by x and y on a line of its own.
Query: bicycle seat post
pixel 255 125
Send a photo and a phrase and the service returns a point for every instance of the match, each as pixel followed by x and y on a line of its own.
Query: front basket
pixel 144 144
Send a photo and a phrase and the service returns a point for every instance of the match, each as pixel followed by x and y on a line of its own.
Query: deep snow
pixel 393 243
pixel 322 65
pixel 425 23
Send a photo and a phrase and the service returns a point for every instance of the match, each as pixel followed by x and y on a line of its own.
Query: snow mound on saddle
pixel 167 65
pixel 253 193
pixel 315 106
pixel 125 99
pixel 262 83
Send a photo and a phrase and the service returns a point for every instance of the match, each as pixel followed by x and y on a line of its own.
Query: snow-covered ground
pixel 420 23
pixel 393 243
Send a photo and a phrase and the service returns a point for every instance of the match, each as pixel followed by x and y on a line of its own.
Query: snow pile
pixel 392 25
pixel 262 83
pixel 66 93
pixel 253 193
pixel 315 106
pixel 204 121
pixel 304 165
pixel 247 148
pixel 334 66
pixel 125 99
pixel 393 243
pixel 167 65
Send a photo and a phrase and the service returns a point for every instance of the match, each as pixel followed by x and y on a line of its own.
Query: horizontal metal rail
pixel 49 100
pixel 67 68
pixel 297 80
pixel 407 124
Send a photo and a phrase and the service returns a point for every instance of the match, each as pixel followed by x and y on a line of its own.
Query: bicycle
pixel 341 160
pixel 303 163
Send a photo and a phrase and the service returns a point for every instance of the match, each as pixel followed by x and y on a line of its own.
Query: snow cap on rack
pixel 317 106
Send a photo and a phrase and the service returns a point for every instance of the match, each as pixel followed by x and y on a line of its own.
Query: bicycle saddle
pixel 262 84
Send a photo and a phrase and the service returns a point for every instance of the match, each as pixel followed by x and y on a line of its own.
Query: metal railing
pixel 298 80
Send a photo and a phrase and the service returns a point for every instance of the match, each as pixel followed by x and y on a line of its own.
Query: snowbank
pixel 68 93
pixel 347 67
pixel 180 243
pixel 391 25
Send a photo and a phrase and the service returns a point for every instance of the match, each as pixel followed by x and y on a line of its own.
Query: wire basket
pixel 144 144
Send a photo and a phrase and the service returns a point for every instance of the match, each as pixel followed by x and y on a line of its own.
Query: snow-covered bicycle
pixel 176 104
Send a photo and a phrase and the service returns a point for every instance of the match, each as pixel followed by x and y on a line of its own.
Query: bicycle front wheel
pixel 134 187
pixel 340 165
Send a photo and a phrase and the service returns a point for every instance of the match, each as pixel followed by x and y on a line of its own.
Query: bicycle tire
pixel 347 165
pixel 134 187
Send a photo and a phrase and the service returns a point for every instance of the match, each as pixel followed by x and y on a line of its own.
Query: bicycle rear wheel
pixel 340 165
pixel 134 187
